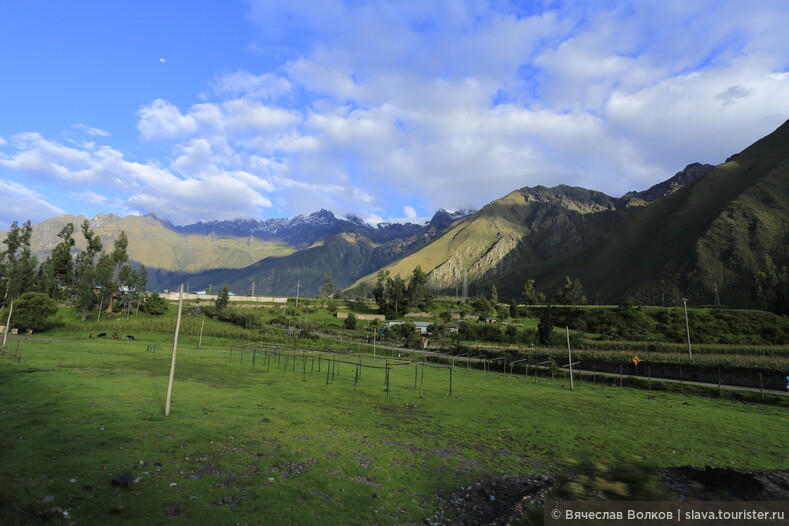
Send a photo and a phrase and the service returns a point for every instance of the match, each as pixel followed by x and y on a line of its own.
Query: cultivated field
pixel 296 445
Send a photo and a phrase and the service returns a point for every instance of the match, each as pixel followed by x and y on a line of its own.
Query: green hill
pixel 715 232
pixel 525 227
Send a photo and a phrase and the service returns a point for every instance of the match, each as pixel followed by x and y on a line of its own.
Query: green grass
pixel 243 445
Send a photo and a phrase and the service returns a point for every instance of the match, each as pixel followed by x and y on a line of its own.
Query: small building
pixel 487 319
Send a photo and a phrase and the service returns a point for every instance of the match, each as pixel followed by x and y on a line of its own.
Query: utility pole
pixel 253 287
pixel 687 325
pixel 298 286
pixel 7 326
pixel 717 298
pixel 175 348
pixel 569 357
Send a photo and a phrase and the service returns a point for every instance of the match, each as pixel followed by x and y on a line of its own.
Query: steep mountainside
pixel 713 233
pixel 524 227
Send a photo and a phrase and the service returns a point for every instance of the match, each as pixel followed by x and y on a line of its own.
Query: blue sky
pixel 199 110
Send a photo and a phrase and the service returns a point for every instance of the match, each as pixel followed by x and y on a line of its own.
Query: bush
pixel 154 304
pixel 350 322
pixel 31 311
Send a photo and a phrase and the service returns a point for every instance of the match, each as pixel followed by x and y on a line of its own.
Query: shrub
pixel 350 322
pixel 31 311
pixel 154 304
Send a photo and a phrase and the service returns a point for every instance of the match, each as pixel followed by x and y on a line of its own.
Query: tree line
pixel 91 280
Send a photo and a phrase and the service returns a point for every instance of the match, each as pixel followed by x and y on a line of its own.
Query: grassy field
pixel 271 445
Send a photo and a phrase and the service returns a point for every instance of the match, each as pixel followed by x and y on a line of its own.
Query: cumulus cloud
pixel 162 120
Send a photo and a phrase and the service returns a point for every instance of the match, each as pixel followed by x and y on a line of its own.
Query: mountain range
pixel 707 230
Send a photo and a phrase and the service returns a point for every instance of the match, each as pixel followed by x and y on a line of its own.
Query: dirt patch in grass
pixel 289 469
pixel 493 501
pixel 691 483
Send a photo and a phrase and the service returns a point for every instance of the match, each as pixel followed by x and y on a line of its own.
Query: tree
pixel 530 295
pixel 155 304
pixel 104 281
pixel 328 287
pixel 391 294
pixel 119 254
pixel 85 270
pixel 511 333
pixel 17 264
pixel 417 294
pixel 31 311
pixel 222 299
pixel 570 293
pixel 350 321
pixel 62 266
pixel 494 295
pixel 771 287
pixel 513 308
pixel 481 306
pixel 545 326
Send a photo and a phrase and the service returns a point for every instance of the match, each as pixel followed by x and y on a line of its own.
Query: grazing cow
pixel 130 337
pixel 90 336
pixel 121 481
pixel 101 335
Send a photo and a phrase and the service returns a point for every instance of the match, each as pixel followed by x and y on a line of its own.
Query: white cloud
pixel 21 203
pixel 448 104
pixel 463 102
pixel 245 84
pixel 211 192
pixel 91 130
pixel 162 120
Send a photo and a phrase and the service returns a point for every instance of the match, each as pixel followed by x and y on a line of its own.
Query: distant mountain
pixel 214 252
pixel 348 255
pixel 303 231
pixel 155 245
pixel 524 227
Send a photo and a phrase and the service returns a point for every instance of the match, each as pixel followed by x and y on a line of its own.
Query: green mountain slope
pixel 525 227
pixel 715 232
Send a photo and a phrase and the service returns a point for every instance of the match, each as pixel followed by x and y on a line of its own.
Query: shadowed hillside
pixel 717 231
